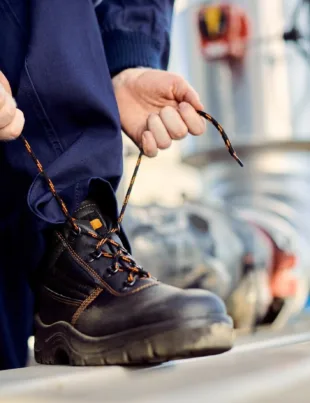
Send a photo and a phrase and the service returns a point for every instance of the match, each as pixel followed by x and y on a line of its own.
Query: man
pixel 94 304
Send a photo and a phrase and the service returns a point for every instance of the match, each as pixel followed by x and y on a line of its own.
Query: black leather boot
pixel 97 306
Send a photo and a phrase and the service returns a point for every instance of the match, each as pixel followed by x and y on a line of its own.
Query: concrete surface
pixel 265 367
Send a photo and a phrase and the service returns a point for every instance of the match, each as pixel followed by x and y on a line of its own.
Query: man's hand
pixel 156 107
pixel 11 119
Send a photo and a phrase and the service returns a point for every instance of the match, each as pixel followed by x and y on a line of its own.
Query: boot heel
pixel 50 346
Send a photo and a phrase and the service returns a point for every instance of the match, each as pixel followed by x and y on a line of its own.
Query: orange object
pixel 283 281
pixel 282 277
pixel 224 31
pixel 96 224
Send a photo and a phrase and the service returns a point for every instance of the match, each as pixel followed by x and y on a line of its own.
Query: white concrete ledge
pixel 267 368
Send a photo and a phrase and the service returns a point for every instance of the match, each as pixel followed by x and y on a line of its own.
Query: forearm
pixel 135 33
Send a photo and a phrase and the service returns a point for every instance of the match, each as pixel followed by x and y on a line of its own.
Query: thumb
pixel 5 83
pixel 184 92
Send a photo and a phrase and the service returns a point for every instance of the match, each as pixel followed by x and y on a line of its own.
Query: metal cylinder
pixel 253 100
pixel 262 104
pixel 250 98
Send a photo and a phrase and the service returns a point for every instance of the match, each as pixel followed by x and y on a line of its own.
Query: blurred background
pixel 241 232
pixel 197 219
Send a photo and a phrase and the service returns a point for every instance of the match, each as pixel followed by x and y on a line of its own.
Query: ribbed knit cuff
pixel 125 49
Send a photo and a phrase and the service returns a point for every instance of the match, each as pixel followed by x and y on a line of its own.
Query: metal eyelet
pixel 112 270
pixel 125 251
pixel 95 255
pixel 129 283
pixel 76 232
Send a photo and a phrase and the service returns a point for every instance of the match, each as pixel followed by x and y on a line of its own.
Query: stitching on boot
pixel 77 258
pixel 97 291
pixel 61 298
pixel 84 207
pixel 80 260
pixel 104 284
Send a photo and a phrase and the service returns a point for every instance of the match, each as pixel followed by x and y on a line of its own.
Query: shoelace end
pixel 235 156
pixel 225 138
pixel 239 161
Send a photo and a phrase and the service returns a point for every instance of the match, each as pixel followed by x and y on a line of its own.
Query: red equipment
pixel 224 31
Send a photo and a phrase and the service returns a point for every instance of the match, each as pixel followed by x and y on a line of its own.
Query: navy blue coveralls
pixel 58 57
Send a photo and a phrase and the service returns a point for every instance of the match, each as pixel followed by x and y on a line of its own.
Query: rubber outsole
pixel 61 344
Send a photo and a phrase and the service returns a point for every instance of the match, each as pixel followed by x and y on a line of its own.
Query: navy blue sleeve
pixel 135 33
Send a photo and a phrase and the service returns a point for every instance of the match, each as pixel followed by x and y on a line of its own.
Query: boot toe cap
pixel 184 305
pixel 198 304
pixel 153 306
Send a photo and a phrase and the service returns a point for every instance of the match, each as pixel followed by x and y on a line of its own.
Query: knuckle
pixel 180 133
pixel 10 111
pixel 153 117
pixel 177 77
pixel 163 112
pixel 183 132
pixel 15 132
pixel 168 108
pixel 185 105
pixel 2 98
pixel 21 116
pixel 202 127
pixel 164 144
pixel 197 129
pixel 153 122
pixel 196 132
pixel 16 127
pixel 187 110
pixel 166 111
pixel 153 154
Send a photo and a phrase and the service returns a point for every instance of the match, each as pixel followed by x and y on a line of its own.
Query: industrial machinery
pixel 246 59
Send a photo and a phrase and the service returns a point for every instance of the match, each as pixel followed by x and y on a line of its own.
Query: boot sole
pixel 61 344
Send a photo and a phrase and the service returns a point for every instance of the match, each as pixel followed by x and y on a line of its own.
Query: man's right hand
pixel 11 118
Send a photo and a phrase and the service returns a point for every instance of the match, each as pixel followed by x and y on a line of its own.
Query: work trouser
pixel 53 55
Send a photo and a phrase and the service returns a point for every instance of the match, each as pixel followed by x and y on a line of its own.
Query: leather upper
pixel 72 277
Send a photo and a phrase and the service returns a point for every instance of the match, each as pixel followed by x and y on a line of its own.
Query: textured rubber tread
pixel 61 344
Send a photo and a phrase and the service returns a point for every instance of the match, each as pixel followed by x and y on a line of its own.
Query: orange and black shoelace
pixel 121 253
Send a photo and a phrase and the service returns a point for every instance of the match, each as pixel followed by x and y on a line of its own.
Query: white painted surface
pixel 264 366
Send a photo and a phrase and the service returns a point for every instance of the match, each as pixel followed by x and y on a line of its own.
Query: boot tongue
pixel 89 215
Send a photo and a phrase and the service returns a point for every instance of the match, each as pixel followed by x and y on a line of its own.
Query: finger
pixel 195 123
pixel 4 82
pixel 149 145
pixel 184 92
pixel 3 95
pixel 14 129
pixel 173 123
pixel 192 97
pixel 161 136
pixel 8 111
